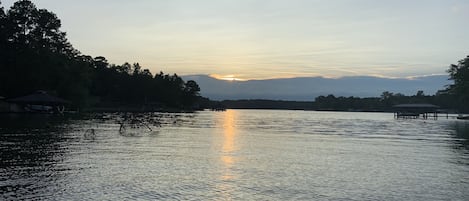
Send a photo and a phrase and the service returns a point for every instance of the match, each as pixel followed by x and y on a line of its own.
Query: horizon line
pixel 235 78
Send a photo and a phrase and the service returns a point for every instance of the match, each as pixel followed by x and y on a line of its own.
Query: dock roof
pixel 418 105
pixel 39 97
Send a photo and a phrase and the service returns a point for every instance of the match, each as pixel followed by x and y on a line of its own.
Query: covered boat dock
pixel 38 102
pixel 415 111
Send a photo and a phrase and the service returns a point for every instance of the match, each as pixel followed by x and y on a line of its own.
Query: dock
pixel 416 111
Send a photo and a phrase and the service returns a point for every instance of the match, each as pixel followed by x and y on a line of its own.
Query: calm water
pixel 235 155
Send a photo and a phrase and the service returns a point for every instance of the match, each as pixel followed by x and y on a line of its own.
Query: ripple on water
pixel 238 155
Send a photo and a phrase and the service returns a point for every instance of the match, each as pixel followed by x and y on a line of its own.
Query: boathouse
pixel 38 102
pixel 415 111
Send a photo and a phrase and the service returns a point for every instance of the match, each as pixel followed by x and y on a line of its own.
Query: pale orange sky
pixel 257 39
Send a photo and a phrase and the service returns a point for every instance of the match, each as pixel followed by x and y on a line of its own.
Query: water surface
pixel 235 155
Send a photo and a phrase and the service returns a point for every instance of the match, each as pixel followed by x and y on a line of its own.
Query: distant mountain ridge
pixel 307 88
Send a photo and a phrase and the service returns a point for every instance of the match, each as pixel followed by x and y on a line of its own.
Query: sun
pixel 227 77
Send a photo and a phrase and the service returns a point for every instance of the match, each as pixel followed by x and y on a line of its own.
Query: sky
pixel 261 39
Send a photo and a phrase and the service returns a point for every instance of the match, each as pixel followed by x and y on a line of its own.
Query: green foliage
pixel 36 55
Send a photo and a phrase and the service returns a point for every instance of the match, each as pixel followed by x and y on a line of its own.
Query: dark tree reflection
pixel 30 146
pixel 461 132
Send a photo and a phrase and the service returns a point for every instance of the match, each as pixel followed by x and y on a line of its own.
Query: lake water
pixel 235 155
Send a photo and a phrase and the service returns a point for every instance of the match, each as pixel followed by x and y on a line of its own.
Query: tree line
pixel 383 103
pixel 36 55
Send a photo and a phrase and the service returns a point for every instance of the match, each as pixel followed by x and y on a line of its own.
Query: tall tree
pixel 33 28
pixel 3 48
pixel 459 73
pixel 3 38
pixel 100 62
pixel 2 20
pixel 191 93
pixel 2 11
pixel 22 16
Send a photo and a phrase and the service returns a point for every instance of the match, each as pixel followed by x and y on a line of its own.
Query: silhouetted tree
pixel 420 93
pixel 459 73
pixel 137 69
pixel 35 54
pixel 191 92
pixel 100 62
pixel 2 25
pixel 386 98
pixel 383 103
pixel 2 10
pixel 37 28
pixel 3 45
pixel 22 17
